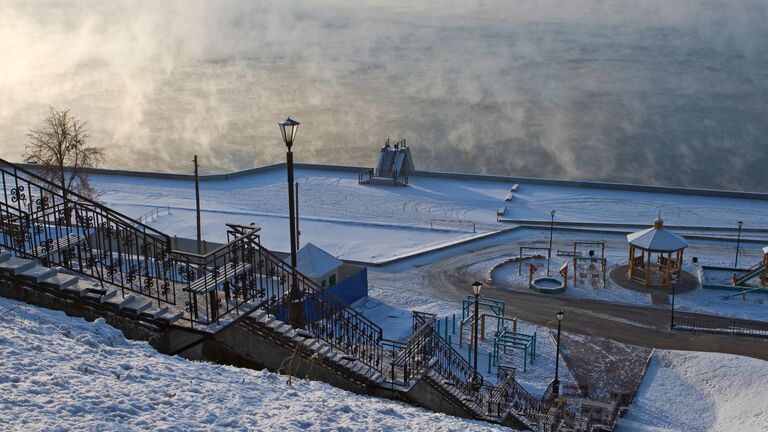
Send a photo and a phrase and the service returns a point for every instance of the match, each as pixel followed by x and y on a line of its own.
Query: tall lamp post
pixel 551 229
pixel 288 129
pixel 556 382
pixel 738 241
pixel 476 287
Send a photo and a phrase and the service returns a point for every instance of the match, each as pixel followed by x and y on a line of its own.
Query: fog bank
pixel 648 92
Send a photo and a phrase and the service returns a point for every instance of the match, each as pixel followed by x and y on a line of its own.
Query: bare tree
pixel 59 148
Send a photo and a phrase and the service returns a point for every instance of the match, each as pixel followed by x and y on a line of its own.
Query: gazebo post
pixel 666 273
pixel 648 269
pixel 631 261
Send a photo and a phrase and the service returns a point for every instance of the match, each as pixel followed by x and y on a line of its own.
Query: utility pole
pixel 738 243
pixel 197 206
pixel 551 229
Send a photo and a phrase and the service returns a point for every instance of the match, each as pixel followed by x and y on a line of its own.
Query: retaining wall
pixel 583 184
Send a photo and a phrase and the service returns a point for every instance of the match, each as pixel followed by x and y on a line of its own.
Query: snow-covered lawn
pixel 60 373
pixel 373 223
pixel 695 391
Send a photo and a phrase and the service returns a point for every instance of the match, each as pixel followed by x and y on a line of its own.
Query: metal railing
pixel 365 177
pixel 63 228
pixel 38 220
pixel 721 325
pixel 154 214
pixel 400 179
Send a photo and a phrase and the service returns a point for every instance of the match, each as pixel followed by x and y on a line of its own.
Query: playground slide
pixel 749 276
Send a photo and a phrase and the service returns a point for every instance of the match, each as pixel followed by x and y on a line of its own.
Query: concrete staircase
pixel 64 281
pixel 289 337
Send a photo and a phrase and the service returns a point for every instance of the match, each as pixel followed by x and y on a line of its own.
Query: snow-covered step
pixel 170 317
pixel 60 280
pixel 119 301
pixel 259 315
pixel 80 288
pixel 5 255
pixel 284 329
pixel 304 333
pixel 16 265
pixel 108 295
pixel 154 312
pixel 137 306
pixel 37 273
pixel 97 288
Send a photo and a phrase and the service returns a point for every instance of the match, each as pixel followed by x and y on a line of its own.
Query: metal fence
pixel 720 325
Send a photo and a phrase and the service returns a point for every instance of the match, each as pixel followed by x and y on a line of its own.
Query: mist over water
pixel 649 92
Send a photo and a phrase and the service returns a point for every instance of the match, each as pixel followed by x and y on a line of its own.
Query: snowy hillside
pixel 695 391
pixel 60 373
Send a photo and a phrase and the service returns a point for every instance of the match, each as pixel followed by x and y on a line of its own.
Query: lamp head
pixel 559 315
pixel 288 128
pixel 476 287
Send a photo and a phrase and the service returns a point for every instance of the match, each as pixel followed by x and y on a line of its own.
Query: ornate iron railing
pixel 39 220
pixel 226 279
pixel 327 317
pixel 426 349
pixel 63 228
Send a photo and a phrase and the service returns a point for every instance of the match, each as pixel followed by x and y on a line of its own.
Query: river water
pixel 657 92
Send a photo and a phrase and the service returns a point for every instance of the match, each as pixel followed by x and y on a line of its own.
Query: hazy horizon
pixel 652 92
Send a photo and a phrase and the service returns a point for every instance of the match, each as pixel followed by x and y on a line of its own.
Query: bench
pixel 509 197
pixel 206 285
pixel 52 246
pixel 514 187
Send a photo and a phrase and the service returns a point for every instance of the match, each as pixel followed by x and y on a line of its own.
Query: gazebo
pixel 662 242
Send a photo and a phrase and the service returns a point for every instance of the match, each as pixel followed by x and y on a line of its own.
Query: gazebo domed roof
pixel 765 250
pixel 657 239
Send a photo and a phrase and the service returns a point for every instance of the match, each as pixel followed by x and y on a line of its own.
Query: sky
pixel 655 92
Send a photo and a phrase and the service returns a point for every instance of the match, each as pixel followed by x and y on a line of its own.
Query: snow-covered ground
pixel 60 373
pixel 504 272
pixel 694 391
pixel 374 223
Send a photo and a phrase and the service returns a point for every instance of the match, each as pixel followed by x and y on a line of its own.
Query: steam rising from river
pixel 651 92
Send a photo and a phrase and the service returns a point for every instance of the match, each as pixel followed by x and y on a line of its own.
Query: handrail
pixel 82 198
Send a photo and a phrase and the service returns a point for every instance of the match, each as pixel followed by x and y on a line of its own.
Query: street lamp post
pixel 556 382
pixel 288 129
pixel 551 229
pixel 476 287
pixel 738 241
